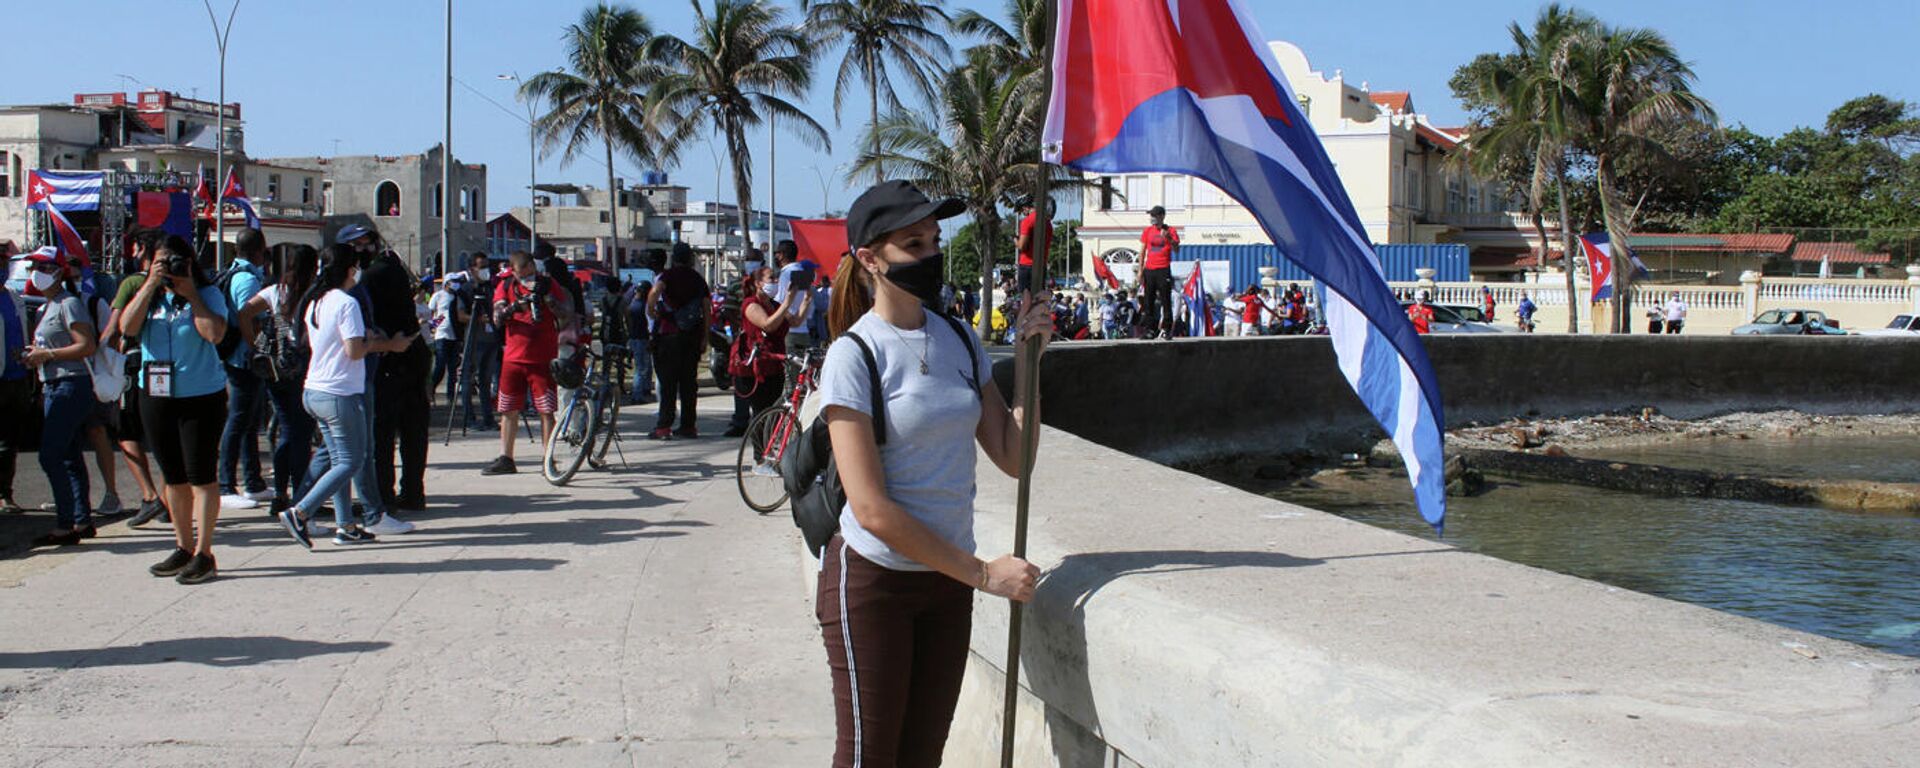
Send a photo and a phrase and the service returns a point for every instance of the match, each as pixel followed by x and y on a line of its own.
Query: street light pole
pixel 447 207
pixel 220 36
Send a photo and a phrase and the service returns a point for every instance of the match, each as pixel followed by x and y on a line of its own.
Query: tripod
pixel 466 372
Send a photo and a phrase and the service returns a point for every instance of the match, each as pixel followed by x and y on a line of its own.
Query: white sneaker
pixel 765 470
pixel 260 495
pixel 390 525
pixel 237 501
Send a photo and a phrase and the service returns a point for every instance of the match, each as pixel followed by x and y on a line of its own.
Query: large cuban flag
pixel 1190 86
pixel 65 190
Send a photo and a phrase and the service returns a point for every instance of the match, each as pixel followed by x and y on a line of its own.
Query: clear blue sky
pixel 368 72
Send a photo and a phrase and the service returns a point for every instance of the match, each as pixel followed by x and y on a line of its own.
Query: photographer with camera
pixel 530 308
pixel 179 316
pixel 480 367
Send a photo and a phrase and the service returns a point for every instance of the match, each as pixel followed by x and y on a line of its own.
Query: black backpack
pixel 231 341
pixel 808 468
pixel 280 351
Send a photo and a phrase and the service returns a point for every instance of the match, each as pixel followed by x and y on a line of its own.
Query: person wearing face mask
pixel 373 257
pixel 336 394
pixel 760 375
pixel 179 316
pixel 62 341
pixel 530 308
pixel 897 582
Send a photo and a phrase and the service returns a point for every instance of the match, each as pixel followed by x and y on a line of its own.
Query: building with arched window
pixel 398 194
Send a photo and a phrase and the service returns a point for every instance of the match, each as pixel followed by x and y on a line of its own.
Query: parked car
pixel 1902 325
pixel 1791 322
pixel 1449 318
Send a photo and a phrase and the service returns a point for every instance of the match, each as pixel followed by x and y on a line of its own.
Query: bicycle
pixel 769 435
pixel 589 421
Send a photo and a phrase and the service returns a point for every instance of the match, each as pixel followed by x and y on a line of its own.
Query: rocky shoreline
pixel 1651 428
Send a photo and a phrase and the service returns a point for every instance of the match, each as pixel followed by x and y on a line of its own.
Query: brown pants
pixel 897 644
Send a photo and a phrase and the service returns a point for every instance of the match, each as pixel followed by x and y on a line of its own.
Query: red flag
pixel 1104 274
pixel 821 241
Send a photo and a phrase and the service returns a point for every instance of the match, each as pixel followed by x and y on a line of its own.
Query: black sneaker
pixel 351 536
pixel 172 564
pixel 296 527
pixel 201 569
pixel 501 466
pixel 691 433
pixel 734 432
pixel 149 509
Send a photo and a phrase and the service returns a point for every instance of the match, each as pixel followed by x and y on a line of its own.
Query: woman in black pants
pixel 294 448
pixel 179 315
pixel 895 595
pixel 765 321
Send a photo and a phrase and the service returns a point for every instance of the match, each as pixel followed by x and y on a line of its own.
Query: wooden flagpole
pixel 1027 382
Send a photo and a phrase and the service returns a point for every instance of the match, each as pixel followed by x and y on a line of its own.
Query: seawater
pixel 1847 575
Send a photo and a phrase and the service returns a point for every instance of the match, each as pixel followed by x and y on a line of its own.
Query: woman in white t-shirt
pixel 896 584
pixel 294 446
pixel 336 385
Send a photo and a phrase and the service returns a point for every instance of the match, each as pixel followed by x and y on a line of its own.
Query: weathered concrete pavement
pixel 639 617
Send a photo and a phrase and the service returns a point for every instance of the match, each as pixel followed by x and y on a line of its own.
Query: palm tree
pixel 738 70
pixel 982 147
pixel 1016 46
pixel 601 97
pixel 1529 127
pixel 882 36
pixel 1626 85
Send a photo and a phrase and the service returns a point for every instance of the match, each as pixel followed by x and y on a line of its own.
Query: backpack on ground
pixel 808 468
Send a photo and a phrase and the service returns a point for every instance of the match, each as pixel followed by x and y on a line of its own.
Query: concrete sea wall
pixel 1185 623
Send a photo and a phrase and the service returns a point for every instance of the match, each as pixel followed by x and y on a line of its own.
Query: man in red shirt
pixel 1421 313
pixel 1158 242
pixel 1023 269
pixel 529 308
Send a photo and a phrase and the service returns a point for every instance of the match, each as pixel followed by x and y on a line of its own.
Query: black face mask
pixel 922 278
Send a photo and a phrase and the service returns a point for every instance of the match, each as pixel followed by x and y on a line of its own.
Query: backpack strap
pixel 966 337
pixel 873 385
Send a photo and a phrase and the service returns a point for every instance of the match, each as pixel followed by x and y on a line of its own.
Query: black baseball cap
pixel 892 205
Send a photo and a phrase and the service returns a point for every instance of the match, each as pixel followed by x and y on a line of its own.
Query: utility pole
pixel 447 207
pixel 773 181
pixel 220 37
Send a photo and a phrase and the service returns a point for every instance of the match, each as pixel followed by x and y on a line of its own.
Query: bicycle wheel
pixel 756 466
pixel 607 425
pixel 572 438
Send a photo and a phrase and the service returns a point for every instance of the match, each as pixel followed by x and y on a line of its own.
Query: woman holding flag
pixel 895 596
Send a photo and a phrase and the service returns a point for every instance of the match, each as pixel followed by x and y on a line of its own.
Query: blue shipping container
pixel 1449 262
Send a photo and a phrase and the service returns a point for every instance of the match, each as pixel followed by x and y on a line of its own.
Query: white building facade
pixel 1391 160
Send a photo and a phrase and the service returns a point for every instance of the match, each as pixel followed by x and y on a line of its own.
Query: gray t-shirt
pixel 53 333
pixel 931 418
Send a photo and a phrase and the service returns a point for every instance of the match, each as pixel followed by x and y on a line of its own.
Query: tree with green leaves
pixel 1017 45
pixel 884 39
pixel 1626 86
pixel 738 70
pixel 603 95
pixel 982 147
pixel 1521 128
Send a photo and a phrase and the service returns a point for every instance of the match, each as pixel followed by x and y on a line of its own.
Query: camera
pixel 179 265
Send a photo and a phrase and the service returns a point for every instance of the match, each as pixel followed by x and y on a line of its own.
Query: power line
pixel 522 119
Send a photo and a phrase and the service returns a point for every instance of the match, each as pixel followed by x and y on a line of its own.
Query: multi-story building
pixel 1391 159
pixel 578 222
pixel 150 140
pixel 400 195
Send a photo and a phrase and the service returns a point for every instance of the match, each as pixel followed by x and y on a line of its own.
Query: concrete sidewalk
pixel 640 616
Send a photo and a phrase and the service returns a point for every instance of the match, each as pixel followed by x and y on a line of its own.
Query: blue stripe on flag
pixel 1170 133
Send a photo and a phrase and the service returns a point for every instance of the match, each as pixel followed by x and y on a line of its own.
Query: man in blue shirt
pixel 239 442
